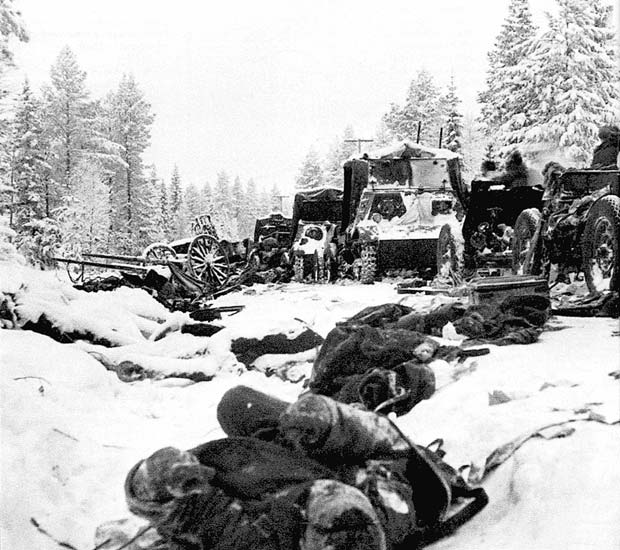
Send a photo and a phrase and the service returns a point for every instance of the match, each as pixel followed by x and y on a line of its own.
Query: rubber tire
pixel 524 229
pixel 605 210
pixel 447 243
pixel 369 264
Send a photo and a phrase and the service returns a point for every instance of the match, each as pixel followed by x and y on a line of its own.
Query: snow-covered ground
pixel 71 429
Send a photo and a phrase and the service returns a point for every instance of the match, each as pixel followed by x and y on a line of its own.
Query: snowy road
pixel 71 429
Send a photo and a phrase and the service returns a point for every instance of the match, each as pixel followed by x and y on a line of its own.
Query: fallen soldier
pixel 380 357
pixel 311 475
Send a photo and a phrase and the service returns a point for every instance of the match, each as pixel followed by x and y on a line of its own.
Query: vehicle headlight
pixel 376 217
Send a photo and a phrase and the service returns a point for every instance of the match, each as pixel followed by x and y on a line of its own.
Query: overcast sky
pixel 248 86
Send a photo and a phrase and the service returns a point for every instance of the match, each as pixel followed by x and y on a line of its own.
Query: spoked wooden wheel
pixel 75 270
pixel 159 251
pixel 207 261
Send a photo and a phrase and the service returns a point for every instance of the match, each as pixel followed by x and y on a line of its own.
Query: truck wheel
pixel 599 245
pixel 450 261
pixel 369 264
pixel 298 269
pixel 523 260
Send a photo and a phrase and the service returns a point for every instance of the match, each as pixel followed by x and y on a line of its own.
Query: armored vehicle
pixel 395 202
pixel 577 230
pixel 317 214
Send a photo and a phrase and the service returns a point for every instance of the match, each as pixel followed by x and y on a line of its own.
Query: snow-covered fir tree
pixel 164 210
pixel 222 198
pixel 206 199
pixel 422 107
pixel 473 144
pixel 175 202
pixel 154 189
pixel 84 218
pixel 339 151
pixel 577 81
pixel 237 199
pixel 453 130
pixel 250 210
pixel 11 27
pixel 222 215
pixel 192 201
pixel 30 172
pixel 510 95
pixel 311 172
pixel 134 202
pixel 264 203
pixel 67 118
pixel 276 197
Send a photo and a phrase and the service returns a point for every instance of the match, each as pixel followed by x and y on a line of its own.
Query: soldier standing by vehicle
pixel 607 151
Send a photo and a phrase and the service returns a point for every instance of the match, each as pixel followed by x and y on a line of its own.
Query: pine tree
pixel 578 83
pixel 11 26
pixel 453 130
pixel 177 224
pixel 422 107
pixel 264 204
pixel 338 153
pixel 311 173
pixel 175 195
pixel 164 210
pixel 473 147
pixel 67 120
pixel 275 198
pixel 130 120
pixel 206 199
pixel 222 215
pixel 222 198
pixel 237 199
pixel 85 216
pixel 192 201
pixel 510 94
pixel 155 191
pixel 250 212
pixel 29 168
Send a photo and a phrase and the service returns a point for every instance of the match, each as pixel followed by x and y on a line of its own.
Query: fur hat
pixel 608 131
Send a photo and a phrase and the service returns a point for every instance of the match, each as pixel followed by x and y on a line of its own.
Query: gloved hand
pixel 170 473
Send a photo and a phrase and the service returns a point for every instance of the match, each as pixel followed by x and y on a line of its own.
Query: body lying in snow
pixel 380 357
pixel 313 474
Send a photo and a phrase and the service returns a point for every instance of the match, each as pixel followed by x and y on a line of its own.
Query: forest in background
pixel 72 174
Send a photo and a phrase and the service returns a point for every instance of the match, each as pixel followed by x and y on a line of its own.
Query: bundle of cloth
pixel 379 358
pixel 308 475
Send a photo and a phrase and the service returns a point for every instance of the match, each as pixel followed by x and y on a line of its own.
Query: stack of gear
pixel 379 357
pixel 312 475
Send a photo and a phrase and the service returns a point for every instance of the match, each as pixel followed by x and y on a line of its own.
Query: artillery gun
pixel 577 230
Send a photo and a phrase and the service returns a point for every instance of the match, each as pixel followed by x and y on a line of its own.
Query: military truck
pixel 395 202
pixel 576 232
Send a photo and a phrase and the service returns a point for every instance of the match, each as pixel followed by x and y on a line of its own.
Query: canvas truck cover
pixel 406 164
pixel 317 205
pixel 275 225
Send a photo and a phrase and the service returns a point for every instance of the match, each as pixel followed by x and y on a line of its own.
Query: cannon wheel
pixel 75 270
pixel 207 261
pixel 158 251
pixel 600 245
